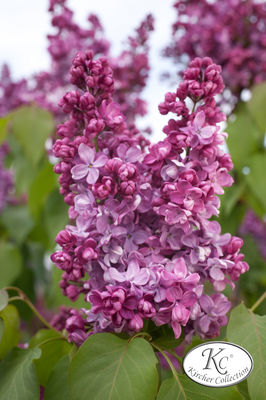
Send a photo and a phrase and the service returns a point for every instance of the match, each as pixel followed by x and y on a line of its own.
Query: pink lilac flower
pixel 90 163
pixel 231 32
pixel 142 245
pixel 212 314
pixel 131 69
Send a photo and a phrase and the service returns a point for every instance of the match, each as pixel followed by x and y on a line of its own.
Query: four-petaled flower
pixel 89 167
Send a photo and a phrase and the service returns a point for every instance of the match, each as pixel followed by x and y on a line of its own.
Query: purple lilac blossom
pixel 131 67
pixel 231 32
pixel 142 245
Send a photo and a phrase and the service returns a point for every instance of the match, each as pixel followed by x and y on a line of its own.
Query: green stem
pixel 95 141
pixel 16 289
pixel 140 334
pixel 22 297
pixel 179 359
pixel 10 299
pixel 51 340
pixel 258 302
pixel 194 106
pixel 171 367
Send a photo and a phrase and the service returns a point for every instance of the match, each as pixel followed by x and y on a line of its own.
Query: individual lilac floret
pixel 91 162
pixel 142 245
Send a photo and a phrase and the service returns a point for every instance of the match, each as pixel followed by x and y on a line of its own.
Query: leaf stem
pixel 139 334
pixel 14 298
pixel 258 302
pixel 171 367
pixel 50 340
pixel 22 297
pixel 173 353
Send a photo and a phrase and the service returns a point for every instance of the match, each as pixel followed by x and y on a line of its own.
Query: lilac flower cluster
pixel 130 68
pixel 45 88
pixel 11 93
pixel 231 32
pixel 254 226
pixel 142 245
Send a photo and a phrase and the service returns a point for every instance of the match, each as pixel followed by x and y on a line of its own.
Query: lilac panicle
pixel 231 32
pixel 141 244
pixel 131 67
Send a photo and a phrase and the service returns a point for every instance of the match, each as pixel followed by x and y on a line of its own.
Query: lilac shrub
pixel 142 245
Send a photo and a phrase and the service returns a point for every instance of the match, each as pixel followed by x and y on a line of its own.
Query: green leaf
pixel 231 196
pixel 35 260
pixel 10 263
pixel 242 130
pixel 10 338
pixel 52 351
pixel 32 126
pixel 42 185
pixel 256 106
pixel 256 177
pixel 109 368
pixel 230 223
pixel 18 379
pixel 3 299
pixel 55 215
pixel 3 128
pixel 2 329
pixel 252 202
pixel 24 174
pixel 249 331
pixel 186 389
pixel 253 283
pixel 243 389
pixel 17 221
pixel 39 234
pixel 57 387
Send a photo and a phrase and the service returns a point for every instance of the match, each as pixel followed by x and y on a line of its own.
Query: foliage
pixel 109 366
